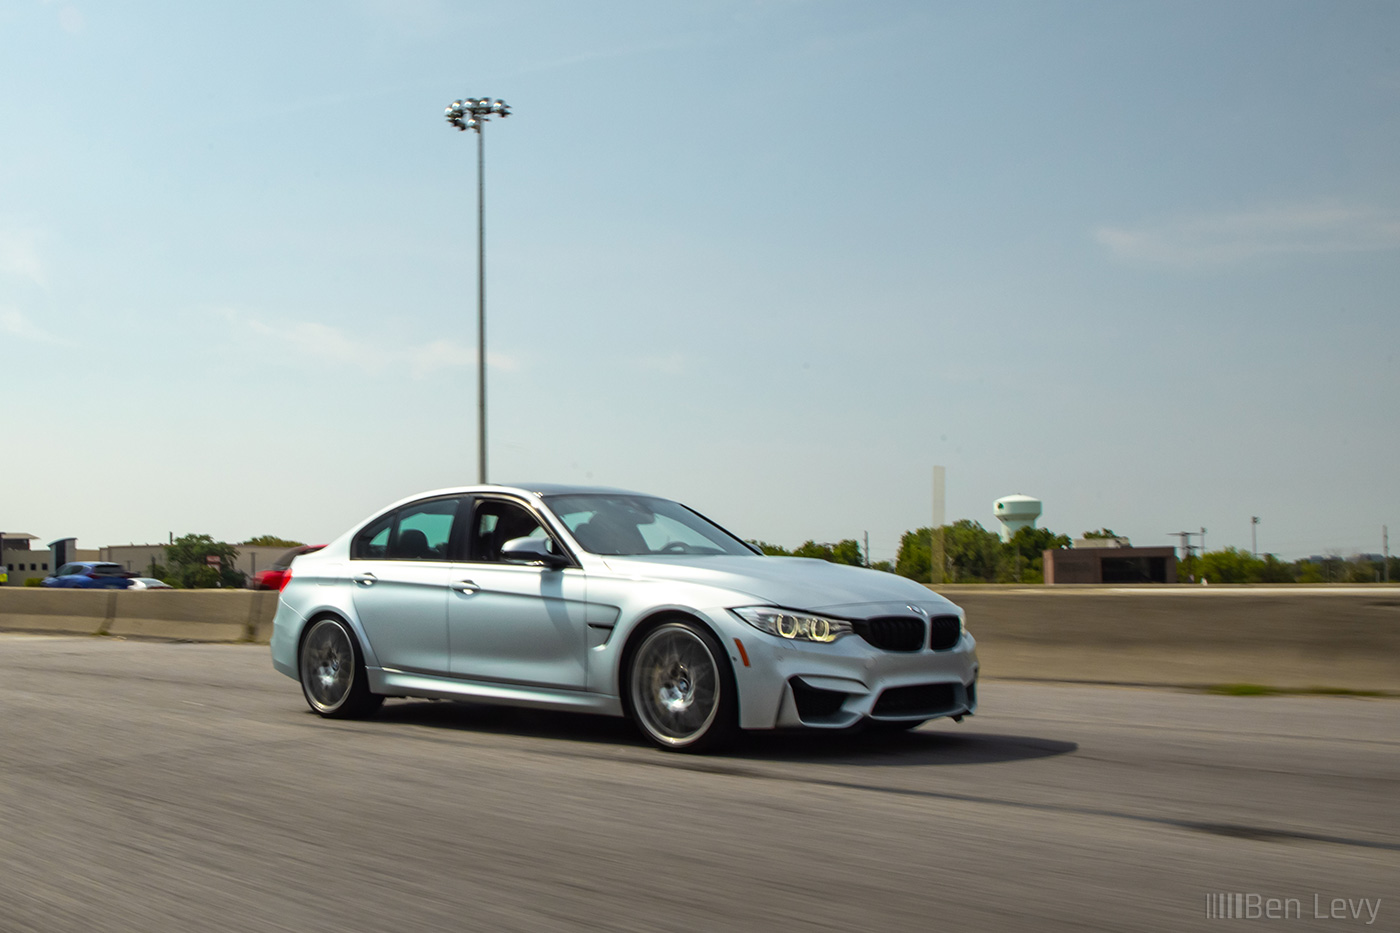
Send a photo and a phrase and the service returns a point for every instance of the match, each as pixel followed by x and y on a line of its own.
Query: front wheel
pixel 680 690
pixel 333 673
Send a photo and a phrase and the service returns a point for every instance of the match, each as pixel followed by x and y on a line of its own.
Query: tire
pixel 333 672
pixel 680 691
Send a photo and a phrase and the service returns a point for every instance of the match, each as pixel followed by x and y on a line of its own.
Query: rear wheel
pixel 680 690
pixel 333 672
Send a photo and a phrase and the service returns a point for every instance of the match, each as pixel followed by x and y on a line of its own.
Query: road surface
pixel 182 787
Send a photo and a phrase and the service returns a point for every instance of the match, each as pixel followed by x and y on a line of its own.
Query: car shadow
pixel 932 744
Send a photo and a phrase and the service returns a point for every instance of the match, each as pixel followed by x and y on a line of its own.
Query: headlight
pixel 800 626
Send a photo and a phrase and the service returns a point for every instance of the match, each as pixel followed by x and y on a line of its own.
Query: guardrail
pixel 1288 637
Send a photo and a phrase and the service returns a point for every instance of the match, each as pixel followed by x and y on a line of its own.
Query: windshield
pixel 623 525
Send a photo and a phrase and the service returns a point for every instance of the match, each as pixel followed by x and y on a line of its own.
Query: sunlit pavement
pixel 151 786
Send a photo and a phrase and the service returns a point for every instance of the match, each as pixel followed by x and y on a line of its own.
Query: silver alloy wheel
pixel 675 685
pixel 327 666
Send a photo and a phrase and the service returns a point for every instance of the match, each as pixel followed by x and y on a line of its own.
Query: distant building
pixel 138 557
pixel 23 561
pixel 135 557
pixel 1116 541
pixel 1110 560
pixel 18 557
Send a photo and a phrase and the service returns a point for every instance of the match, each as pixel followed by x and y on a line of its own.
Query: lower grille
pixel 944 632
pixel 892 633
pixel 918 700
pixel 814 703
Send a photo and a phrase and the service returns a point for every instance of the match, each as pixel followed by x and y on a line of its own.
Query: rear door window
pixel 421 531
pixel 424 530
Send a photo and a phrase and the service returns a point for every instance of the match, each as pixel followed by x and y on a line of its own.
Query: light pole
pixel 1385 548
pixel 1254 536
pixel 470 113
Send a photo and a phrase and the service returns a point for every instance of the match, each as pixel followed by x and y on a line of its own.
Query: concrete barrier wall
pixel 1295 637
pixel 195 615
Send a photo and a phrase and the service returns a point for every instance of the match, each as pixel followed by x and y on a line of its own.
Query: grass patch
pixel 1261 690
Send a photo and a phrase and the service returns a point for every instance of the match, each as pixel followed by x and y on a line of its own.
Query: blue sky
pixel 776 259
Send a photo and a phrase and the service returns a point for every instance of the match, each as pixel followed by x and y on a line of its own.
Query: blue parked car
pixel 91 575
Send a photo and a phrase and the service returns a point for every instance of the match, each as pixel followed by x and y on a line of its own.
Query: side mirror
pixel 532 551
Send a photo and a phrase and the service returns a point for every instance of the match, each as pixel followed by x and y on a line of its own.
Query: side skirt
pixel 394 683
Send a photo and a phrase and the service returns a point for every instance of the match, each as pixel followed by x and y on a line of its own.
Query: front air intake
pixel 814 703
pixel 918 700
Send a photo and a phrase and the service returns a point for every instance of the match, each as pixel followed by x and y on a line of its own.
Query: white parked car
pixel 149 583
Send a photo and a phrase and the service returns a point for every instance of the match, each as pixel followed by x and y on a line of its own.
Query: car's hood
pixel 789 582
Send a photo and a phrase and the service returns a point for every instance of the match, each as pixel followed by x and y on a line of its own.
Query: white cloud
pixel 19 256
pixel 370 354
pixel 15 323
pixel 1226 238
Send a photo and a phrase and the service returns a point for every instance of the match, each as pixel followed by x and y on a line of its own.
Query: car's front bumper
pixel 786 683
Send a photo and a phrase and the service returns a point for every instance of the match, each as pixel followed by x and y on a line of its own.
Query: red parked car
pixel 273 578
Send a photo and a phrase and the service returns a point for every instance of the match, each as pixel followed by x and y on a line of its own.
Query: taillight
pixel 286 578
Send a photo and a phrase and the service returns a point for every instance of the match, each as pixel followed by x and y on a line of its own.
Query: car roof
pixel 539 490
pixel 526 489
pixel 557 489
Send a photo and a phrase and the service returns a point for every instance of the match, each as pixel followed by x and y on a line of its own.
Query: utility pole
pixel 1385 546
pixel 936 558
pixel 1186 546
pixel 1254 536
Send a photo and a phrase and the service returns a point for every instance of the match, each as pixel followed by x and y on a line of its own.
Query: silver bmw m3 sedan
pixel 605 601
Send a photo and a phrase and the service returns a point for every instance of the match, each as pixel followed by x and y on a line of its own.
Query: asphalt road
pixel 182 787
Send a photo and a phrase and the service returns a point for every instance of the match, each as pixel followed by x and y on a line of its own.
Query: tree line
pixel 972 554
pixel 1232 565
pixel 187 564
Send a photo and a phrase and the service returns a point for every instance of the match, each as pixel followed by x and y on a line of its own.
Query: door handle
pixel 465 586
pixel 365 579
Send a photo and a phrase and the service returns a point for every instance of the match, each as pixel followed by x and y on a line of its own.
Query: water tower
pixel 1015 513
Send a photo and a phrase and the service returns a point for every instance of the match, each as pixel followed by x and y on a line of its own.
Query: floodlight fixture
pixel 470 112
